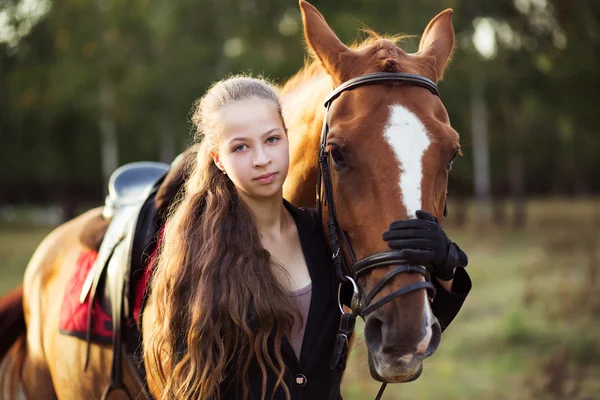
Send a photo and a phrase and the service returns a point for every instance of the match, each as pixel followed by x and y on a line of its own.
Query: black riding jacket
pixel 310 377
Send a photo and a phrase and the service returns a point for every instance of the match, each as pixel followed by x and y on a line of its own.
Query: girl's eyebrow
pixel 241 138
pixel 270 131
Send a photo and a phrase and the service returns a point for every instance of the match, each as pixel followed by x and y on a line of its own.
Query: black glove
pixel 423 240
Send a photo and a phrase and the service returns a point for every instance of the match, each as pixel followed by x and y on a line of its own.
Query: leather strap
pixel 340 352
pixel 116 373
pixel 381 390
pixel 390 274
pixel 387 257
pixel 395 294
pixel 381 77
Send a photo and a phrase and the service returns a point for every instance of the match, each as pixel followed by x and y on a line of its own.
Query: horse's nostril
pixel 373 332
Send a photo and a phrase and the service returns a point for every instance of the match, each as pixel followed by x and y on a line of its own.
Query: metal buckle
pixel 337 253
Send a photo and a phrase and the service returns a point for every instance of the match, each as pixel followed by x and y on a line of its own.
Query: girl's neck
pixel 270 214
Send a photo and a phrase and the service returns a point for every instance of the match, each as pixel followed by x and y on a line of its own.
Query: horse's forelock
pixel 376 53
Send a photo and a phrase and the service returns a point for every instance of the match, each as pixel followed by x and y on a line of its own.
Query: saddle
pixel 122 258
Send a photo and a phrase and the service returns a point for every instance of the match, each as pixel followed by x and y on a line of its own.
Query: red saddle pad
pixel 74 315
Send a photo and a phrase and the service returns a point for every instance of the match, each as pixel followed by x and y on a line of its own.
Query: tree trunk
pixel 108 121
pixel 222 23
pixel 165 140
pixel 108 131
pixel 516 165
pixel 515 178
pixel 68 204
pixel 480 153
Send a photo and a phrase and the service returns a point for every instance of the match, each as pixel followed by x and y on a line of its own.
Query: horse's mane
pixel 373 37
pixel 311 68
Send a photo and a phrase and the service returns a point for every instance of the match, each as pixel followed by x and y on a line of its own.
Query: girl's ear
pixel 217 160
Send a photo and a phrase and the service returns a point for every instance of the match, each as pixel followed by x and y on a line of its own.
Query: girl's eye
pixel 241 147
pixel 272 139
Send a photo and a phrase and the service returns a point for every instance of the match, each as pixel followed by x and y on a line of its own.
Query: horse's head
pixel 390 146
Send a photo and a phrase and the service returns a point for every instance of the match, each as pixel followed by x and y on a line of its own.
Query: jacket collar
pixel 316 255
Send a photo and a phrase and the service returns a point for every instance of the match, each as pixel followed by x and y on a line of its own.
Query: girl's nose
pixel 261 158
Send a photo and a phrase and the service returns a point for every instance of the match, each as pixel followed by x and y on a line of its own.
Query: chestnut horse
pixel 390 146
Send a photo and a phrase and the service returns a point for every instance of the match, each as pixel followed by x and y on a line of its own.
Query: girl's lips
pixel 266 178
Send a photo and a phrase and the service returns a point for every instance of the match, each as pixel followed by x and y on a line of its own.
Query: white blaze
pixel 407 136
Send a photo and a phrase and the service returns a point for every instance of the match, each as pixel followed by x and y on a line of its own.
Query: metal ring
pixel 354 289
pixel 354 285
pixel 340 299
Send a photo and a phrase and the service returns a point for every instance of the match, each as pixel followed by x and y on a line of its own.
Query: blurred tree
pixel 151 59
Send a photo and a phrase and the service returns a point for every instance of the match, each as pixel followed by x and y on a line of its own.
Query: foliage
pixel 159 56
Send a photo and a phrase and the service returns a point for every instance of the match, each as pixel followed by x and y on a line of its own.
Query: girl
pixel 234 278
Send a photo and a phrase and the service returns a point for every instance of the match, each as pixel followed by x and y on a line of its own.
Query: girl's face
pixel 252 147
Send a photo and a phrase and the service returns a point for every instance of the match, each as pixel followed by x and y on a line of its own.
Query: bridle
pixel 324 187
pixel 362 305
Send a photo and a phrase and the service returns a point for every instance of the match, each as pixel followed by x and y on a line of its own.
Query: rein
pixel 361 304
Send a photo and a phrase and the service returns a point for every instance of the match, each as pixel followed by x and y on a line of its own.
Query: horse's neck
pixel 303 112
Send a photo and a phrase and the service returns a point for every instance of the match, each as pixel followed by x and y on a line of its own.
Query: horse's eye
pixel 337 157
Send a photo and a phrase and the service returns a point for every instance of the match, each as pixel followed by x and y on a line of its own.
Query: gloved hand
pixel 423 240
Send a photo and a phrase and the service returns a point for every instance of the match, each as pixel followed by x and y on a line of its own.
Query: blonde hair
pixel 237 88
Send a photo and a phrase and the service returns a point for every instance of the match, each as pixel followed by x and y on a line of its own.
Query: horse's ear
pixel 324 43
pixel 437 42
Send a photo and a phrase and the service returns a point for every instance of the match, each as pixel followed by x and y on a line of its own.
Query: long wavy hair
pixel 215 290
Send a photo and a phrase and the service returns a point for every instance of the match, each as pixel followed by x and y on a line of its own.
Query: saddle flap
pixel 114 235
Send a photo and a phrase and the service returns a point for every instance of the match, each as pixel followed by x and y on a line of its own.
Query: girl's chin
pixel 263 192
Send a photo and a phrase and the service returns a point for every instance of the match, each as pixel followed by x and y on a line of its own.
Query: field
pixel 530 328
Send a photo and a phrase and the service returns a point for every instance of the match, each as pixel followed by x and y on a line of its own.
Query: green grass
pixel 528 330
pixel 17 244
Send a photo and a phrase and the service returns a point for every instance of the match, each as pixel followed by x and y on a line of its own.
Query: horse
pixel 389 146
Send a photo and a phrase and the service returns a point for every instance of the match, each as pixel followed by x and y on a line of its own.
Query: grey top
pixel 301 299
